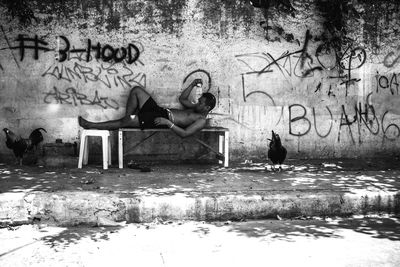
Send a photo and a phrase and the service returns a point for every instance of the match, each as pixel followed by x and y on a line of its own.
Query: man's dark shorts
pixel 149 112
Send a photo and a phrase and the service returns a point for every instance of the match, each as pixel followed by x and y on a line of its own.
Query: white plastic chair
pixel 84 147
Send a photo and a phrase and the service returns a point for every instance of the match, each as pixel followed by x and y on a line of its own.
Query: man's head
pixel 206 103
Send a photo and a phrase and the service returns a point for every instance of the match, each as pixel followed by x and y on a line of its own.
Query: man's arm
pixel 190 130
pixel 184 97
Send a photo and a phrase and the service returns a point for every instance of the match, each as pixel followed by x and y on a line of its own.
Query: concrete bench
pixel 223 141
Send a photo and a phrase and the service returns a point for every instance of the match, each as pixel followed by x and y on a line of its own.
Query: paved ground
pixel 360 241
pixel 200 192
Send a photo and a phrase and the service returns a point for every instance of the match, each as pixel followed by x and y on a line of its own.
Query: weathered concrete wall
pixel 323 74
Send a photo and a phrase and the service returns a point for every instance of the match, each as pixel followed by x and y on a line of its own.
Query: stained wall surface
pixel 322 74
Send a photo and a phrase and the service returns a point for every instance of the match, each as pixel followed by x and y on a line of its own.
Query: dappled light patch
pixel 27 178
pixel 21 190
pixel 149 191
pixel 195 179
pixel 366 178
pixel 5 171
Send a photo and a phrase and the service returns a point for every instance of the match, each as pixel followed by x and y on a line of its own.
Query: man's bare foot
pixel 83 123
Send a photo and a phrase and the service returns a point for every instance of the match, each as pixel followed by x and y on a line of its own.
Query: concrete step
pixel 73 208
pixel 69 196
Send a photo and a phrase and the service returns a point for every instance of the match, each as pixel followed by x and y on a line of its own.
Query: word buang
pixel 362 115
pixel 105 52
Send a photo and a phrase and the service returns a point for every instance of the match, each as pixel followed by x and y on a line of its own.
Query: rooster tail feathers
pixel 38 129
pixel 36 136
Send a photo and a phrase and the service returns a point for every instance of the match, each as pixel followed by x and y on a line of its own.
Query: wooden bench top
pixel 208 129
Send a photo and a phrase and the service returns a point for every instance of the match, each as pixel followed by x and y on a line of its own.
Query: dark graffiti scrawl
pixel 71 97
pixel 302 64
pixel 111 74
pixel 350 59
pixel 26 43
pixel 107 53
pixel 107 74
pixel 387 83
pixel 303 57
pixel 391 58
pixel 200 74
pixel 9 46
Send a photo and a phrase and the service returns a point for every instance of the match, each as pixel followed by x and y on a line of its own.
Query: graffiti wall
pixel 325 75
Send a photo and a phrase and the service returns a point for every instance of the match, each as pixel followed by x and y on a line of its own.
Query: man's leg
pixel 110 125
pixel 136 99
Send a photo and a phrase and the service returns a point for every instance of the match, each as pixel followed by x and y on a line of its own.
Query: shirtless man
pixel 142 111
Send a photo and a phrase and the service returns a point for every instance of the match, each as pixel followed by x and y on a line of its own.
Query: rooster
pixel 277 152
pixel 21 145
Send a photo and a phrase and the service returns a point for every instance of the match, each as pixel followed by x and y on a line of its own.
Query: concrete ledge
pixel 73 208
pixel 71 196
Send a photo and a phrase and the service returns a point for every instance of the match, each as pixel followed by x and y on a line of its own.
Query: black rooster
pixel 277 152
pixel 21 145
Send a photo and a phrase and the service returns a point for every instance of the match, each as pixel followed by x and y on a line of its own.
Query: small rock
pixel 12 228
pixel 89 181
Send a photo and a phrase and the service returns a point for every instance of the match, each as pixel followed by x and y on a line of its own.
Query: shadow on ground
pixel 289 230
pixel 354 176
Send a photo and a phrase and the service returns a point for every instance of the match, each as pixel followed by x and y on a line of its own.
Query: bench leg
pixel 105 141
pixel 81 152
pixel 109 150
pixel 226 149
pixel 86 151
pixel 120 150
pixel 220 145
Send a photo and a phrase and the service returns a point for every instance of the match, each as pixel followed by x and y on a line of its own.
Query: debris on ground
pixel 89 181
